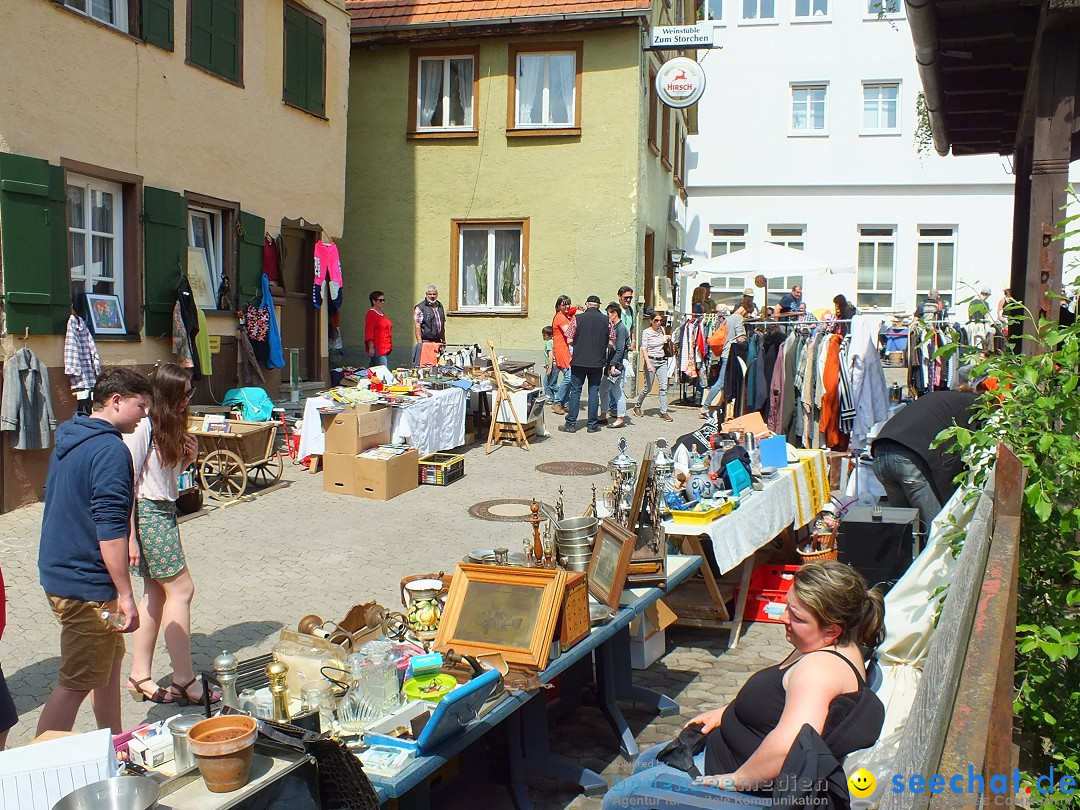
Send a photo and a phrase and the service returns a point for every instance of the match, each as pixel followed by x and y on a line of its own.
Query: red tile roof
pixel 375 14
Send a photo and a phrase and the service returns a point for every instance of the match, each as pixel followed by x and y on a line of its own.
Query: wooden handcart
pixel 228 462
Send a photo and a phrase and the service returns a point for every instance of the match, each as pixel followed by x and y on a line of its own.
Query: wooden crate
pixel 507 433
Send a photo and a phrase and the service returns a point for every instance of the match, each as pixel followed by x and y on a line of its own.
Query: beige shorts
pixel 88 645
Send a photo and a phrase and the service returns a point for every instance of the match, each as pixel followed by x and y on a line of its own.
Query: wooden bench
pixel 962 714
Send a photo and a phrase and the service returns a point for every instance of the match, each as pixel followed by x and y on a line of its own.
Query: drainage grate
pixel 571 468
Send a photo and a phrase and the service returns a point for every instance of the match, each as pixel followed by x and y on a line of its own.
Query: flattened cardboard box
pixel 353 431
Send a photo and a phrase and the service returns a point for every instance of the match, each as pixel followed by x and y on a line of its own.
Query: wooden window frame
pixel 415 55
pixel 284 57
pixel 230 216
pixel 239 80
pixel 132 7
pixel 665 144
pixel 455 267
pixel 132 241
pixel 553 46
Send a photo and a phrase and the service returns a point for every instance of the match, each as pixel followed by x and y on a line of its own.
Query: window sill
pixel 879 133
pixel 117 338
pixel 654 148
pixel 883 18
pixel 234 82
pixel 541 132
pixel 666 164
pixel 489 313
pixel 298 108
pixel 771 21
pixel 99 23
pixel 442 134
pixel 810 20
pixel 815 134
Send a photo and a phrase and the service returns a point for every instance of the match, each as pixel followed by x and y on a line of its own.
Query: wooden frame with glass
pixel 610 563
pixel 506 610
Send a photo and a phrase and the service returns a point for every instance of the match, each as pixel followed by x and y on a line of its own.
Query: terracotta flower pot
pixel 223 747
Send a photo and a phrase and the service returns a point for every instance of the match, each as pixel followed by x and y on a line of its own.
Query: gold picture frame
pixel 509 610
pixel 610 562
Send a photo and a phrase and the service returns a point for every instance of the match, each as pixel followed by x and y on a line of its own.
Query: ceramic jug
pixel 698 483
pixel 424 608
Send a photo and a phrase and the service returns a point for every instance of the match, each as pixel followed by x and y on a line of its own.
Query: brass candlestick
pixel 537 543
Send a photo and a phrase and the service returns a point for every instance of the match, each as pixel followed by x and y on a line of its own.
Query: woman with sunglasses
pixel 653 344
pixel 161 448
pixel 378 331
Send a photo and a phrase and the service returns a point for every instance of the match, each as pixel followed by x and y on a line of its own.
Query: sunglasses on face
pixel 627 297
pixel 379 300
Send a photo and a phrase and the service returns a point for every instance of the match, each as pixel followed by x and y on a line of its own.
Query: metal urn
pixel 663 475
pixel 623 470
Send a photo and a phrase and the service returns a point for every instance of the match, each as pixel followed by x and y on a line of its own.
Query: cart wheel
pixel 223 475
pixel 269 472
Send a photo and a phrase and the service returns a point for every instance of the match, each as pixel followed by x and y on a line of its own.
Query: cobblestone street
pixel 263 564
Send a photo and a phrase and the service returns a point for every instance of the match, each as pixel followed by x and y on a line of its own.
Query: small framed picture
pixel 610 562
pixel 106 315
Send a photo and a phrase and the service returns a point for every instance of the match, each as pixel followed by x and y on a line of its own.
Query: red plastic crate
pixel 768 588
pixel 769 577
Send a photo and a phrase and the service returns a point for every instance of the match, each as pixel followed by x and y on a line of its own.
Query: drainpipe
pixel 922 19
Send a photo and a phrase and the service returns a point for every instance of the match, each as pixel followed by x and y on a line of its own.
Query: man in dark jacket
pixel 913 473
pixel 429 322
pixel 83 559
pixel 589 334
pixel 615 368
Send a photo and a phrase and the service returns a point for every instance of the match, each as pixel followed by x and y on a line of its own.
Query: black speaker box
pixel 880 549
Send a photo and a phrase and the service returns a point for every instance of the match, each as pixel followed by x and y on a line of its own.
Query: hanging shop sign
pixel 681 36
pixel 680 82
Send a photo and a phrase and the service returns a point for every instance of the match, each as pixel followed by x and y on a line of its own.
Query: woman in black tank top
pixel 831 619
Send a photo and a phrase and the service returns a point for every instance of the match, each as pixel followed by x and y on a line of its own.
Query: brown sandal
pixel 159 695
pixel 183 698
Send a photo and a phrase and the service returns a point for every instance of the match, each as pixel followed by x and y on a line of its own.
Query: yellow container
pixel 701 518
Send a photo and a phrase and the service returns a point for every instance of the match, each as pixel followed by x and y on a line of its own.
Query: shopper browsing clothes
pixel 791 306
pixel 161 448
pixel 590 334
pixel 655 348
pixel 429 323
pixel 615 367
pixel 82 561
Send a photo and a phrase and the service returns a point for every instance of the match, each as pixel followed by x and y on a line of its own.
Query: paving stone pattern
pixel 261 565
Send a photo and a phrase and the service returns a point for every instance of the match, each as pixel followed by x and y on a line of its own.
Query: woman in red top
pixel 378 331
pixel 8 715
pixel 560 325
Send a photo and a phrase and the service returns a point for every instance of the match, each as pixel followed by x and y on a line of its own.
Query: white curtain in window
pixel 507 267
pixel 461 73
pixel 474 269
pixel 561 76
pixel 431 73
pixel 530 89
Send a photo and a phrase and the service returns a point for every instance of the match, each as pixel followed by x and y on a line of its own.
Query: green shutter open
pixel 165 238
pixel 157 22
pixel 316 45
pixel 33 236
pixel 249 264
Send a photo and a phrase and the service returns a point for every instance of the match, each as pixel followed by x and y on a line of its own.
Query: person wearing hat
pixel 979 308
pixel 589 334
pixel 747 308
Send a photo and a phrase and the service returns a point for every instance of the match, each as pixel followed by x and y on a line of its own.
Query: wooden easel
pixel 519 437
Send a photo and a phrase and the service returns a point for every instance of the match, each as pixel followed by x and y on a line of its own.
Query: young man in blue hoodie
pixel 83 559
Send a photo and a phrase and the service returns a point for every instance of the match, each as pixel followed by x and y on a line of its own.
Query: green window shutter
pixel 165 238
pixel 33 236
pixel 157 23
pixel 316 46
pixel 249 266
pixel 295 60
pixel 214 36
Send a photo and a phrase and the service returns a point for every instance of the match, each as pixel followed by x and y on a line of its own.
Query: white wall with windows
pixel 808 122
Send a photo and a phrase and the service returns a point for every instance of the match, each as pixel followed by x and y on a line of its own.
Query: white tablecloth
pixel 430 425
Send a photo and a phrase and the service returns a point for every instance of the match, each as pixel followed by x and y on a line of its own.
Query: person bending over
pixel 833 623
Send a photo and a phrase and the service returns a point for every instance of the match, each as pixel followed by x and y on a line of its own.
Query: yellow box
pixel 701 518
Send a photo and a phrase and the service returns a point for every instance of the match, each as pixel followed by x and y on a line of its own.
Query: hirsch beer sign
pixel 680 82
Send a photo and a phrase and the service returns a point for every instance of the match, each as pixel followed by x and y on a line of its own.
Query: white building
pixel 807 138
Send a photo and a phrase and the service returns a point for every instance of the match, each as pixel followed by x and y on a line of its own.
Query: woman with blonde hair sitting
pixel 833 623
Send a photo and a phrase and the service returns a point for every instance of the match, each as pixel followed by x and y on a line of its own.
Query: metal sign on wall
pixel 681 36
pixel 680 82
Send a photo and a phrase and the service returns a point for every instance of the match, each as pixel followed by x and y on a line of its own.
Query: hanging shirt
pixel 81 361
pixel 271 265
pixel 27 408
pixel 327 269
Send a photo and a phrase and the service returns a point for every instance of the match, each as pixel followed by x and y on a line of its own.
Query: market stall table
pixel 429 424
pixel 265 771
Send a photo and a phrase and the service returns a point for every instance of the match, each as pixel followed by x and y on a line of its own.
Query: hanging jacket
pixel 271 263
pixel 81 361
pixel 181 342
pixel 189 315
pixel 26 408
pixel 202 343
pixel 869 392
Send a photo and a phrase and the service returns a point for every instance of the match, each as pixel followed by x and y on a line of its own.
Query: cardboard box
pixel 656 618
pixel 354 431
pixel 378 479
pixel 643 654
pixel 151 751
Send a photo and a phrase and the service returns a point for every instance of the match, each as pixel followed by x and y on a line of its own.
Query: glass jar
pixel 319 696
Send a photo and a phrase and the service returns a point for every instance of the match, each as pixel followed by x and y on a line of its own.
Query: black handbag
pixel 343 785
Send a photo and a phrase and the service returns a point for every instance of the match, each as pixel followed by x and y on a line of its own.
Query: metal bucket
pixel 576 562
pixel 576 528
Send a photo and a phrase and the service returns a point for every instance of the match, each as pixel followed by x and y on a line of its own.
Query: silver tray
pixel 486 556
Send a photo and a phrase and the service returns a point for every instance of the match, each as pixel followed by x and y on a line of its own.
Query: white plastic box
pixel 36 777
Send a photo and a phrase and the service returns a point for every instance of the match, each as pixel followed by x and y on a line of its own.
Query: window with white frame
pixel 808 9
pixel 884 8
pixel 808 112
pixel 444 93
pixel 95 235
pixel 728 290
pixel 759 9
pixel 727 239
pixel 789 236
pixel 779 286
pixel 205 234
pixel 710 10
pixel 935 267
pixel 491 267
pixel 881 103
pixel 110 12
pixel 546 89
pixel 876 266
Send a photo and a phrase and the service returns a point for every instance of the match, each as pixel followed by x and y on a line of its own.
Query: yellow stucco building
pixel 507 152
pixel 137 135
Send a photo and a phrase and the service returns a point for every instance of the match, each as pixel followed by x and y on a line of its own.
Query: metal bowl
pixel 117 793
